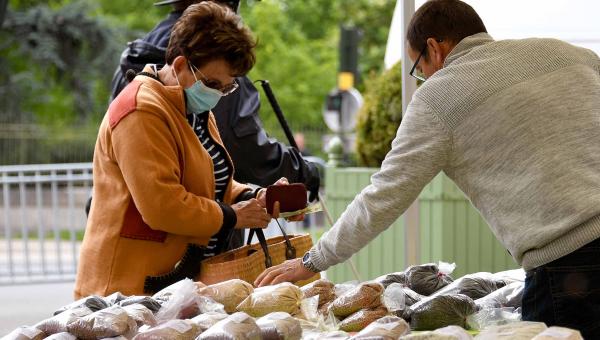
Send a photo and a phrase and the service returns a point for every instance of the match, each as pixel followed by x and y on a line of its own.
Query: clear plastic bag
pixel 207 320
pixel 93 302
pixel 59 323
pixel 141 314
pixel 324 288
pixel 427 279
pixel 283 297
pixel 359 320
pixel 439 311
pixel 341 288
pixel 109 322
pixel 207 305
pixel 493 317
pixel 558 333
pixel 238 326
pixel 445 333
pixel 323 324
pixel 475 285
pixel 279 326
pixel 523 330
pixel 388 279
pixel 61 336
pixel 25 333
pixel 178 301
pixel 364 296
pixel 397 298
pixel 330 335
pixel 511 275
pixel 229 293
pixel 507 296
pixel 309 308
pixel 147 301
pixel 385 328
pixel 172 330
pixel 115 298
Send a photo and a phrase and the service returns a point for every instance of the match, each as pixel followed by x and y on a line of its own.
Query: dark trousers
pixel 566 292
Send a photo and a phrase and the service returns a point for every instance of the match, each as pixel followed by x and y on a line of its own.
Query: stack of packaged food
pixel 421 302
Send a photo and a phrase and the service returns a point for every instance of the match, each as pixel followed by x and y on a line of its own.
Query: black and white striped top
pixel 222 171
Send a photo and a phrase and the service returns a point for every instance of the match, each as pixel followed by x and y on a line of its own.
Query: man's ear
pixel 437 52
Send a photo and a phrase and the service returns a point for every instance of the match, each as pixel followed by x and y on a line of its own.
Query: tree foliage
pixel 57 56
pixel 52 62
pixel 380 116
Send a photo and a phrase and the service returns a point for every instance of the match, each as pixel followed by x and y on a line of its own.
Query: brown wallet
pixel 291 197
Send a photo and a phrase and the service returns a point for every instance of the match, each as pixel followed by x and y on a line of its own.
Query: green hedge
pixel 380 116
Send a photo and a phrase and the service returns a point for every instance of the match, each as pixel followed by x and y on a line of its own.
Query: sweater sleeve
pixel 419 152
pixel 147 154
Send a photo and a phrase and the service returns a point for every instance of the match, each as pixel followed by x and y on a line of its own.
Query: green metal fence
pixel 449 229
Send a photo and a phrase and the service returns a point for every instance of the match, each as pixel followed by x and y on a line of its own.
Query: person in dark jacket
pixel 257 158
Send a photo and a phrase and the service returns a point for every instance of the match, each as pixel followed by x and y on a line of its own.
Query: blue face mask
pixel 200 98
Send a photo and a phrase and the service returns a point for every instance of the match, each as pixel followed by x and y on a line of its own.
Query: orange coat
pixel 154 191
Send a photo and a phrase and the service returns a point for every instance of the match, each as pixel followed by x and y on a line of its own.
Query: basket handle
pixel 290 251
pixel 263 244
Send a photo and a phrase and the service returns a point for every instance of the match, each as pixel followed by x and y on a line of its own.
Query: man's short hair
pixel 450 20
pixel 208 31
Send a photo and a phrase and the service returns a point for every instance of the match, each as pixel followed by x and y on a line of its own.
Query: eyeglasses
pixel 216 85
pixel 419 75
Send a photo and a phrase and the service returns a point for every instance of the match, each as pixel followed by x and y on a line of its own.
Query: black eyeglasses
pixel 420 75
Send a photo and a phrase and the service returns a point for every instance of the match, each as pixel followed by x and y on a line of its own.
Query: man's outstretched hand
pixel 289 271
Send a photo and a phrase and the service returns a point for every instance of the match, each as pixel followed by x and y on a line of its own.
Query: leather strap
pixel 263 244
pixel 290 251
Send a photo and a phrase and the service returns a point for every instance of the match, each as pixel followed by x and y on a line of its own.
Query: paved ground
pixel 26 304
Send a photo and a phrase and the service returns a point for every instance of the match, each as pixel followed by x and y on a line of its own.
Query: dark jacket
pixel 257 159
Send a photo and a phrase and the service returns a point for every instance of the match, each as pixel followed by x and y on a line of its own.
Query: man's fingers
pixel 270 276
pixel 263 274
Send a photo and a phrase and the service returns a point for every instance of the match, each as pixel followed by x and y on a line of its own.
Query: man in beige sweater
pixel 516 125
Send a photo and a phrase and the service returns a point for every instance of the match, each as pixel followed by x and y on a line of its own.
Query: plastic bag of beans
pixel 364 296
pixel 229 293
pixel 238 326
pixel 109 322
pixel 173 330
pixel 283 297
pixel 324 288
pixel 25 333
pixel 207 320
pixel 279 326
pixel 385 328
pixel 361 319
pixel 440 311
pixel 427 279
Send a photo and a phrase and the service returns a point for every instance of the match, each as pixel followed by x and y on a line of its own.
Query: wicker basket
pixel 248 262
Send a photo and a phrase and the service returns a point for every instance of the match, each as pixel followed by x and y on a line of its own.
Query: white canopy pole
pixel 409 86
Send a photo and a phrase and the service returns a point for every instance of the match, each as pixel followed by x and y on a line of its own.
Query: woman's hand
pixel 250 214
pixel 289 271
pixel 261 196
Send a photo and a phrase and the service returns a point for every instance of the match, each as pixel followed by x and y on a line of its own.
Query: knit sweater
pixel 516 125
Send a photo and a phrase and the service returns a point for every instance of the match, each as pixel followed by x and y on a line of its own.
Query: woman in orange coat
pixel 162 178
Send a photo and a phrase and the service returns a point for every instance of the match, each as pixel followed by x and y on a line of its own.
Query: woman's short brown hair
pixel 450 20
pixel 208 31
